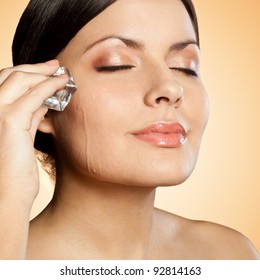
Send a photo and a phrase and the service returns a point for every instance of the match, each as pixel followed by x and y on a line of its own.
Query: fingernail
pixel 53 62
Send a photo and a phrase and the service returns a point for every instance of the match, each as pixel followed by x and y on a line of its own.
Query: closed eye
pixel 186 71
pixel 113 68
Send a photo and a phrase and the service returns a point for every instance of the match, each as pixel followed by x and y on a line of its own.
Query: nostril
pixel 178 100
pixel 159 99
pixel 164 93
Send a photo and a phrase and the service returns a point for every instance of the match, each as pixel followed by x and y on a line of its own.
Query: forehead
pixel 150 21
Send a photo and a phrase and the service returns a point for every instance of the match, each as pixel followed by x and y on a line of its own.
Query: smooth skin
pixel 103 206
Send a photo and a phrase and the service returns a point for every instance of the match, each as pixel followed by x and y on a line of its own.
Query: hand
pixel 22 91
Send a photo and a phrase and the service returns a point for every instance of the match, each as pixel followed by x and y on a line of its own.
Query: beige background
pixel 225 186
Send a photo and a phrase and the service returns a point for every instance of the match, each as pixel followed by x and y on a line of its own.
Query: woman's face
pixel 139 113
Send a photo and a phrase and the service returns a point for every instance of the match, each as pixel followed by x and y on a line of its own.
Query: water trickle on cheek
pixel 91 162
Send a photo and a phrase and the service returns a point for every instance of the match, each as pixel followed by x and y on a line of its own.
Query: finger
pixel 19 115
pixel 34 98
pixel 17 84
pixel 47 69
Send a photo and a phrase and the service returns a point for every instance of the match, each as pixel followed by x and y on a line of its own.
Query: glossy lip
pixel 163 134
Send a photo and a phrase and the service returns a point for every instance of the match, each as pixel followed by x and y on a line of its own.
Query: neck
pixel 112 219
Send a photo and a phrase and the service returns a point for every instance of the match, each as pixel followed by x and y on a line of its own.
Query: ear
pixel 46 125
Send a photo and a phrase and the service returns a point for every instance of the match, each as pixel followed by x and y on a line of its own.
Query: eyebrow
pixel 139 45
pixel 129 42
pixel 182 45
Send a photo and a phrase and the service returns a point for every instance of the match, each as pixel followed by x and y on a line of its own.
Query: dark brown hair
pixel 45 29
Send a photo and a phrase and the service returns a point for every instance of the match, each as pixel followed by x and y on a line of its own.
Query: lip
pixel 163 134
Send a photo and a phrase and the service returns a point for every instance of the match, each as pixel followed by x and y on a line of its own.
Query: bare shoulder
pixel 206 240
pixel 226 243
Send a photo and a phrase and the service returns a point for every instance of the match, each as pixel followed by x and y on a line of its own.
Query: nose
pixel 167 91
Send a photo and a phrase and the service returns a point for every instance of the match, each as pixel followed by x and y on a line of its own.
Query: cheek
pixel 108 122
pixel 70 133
pixel 197 113
pixel 197 108
pixel 96 124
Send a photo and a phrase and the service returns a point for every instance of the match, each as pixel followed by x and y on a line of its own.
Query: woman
pixel 135 123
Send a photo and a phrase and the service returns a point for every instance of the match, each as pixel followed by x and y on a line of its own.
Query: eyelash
pixel 186 71
pixel 115 68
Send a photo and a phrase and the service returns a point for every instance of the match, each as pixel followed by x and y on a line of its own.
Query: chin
pixel 157 182
pixel 170 174
pixel 172 181
pixel 161 177
pixel 169 180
